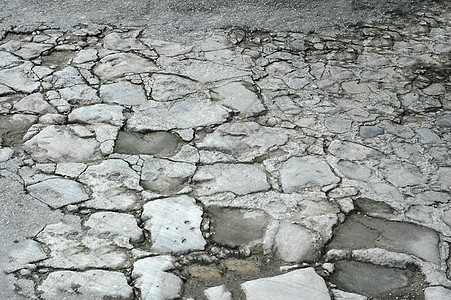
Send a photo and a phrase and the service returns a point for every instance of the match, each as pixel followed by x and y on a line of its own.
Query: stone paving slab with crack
pixel 241 164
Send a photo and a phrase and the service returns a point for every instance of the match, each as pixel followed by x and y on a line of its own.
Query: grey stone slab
pixel 169 87
pixel 237 227
pixel 5 154
pixel 444 177
pixel 113 184
pixel 67 77
pixel 7 59
pixel 167 48
pixel 165 176
pixel 85 55
pixel 294 243
pixel 159 144
pixel 444 121
pixel 71 247
pixel 117 65
pixel 93 284
pixel 58 192
pixel 98 113
pixel 34 103
pixel 244 141
pixel 236 178
pixel 338 124
pixel 206 71
pixel 123 41
pixel 13 128
pixel 360 232
pixel 375 281
pixel 427 136
pixel 352 151
pixel 119 227
pixel 25 252
pixel 123 93
pixel 56 144
pixel 402 174
pixel 240 96
pixel 174 224
pixel 302 172
pixel 434 89
pixel 302 284
pixel 81 94
pixel 150 276
pixel 20 78
pixel 182 114
pixel 26 50
pixel 370 131
pixel 354 170
pixel 72 170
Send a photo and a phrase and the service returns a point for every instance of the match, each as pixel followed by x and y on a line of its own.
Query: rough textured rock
pixel 152 279
pixel 174 224
pixel 294 243
pixel 436 292
pixel 244 141
pixel 169 87
pixel 25 252
pixel 113 184
pixel 302 172
pixel 116 65
pixel 98 113
pixel 240 96
pixel 182 114
pixel 56 144
pixel 303 284
pixel 165 176
pixel 124 93
pixel 94 284
pixel 236 178
pixel 19 78
pixel 34 103
pixel 360 232
pixel 58 192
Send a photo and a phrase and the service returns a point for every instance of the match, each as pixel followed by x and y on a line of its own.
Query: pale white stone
pixel 25 252
pixel 117 65
pixel 93 284
pixel 152 279
pixel 72 170
pixel 436 293
pixel 303 284
pixel 174 224
pixel 124 93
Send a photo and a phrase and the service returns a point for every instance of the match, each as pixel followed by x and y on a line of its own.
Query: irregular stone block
pixel 302 284
pixel 34 103
pixel 123 93
pixel 98 113
pixel 240 96
pixel 151 278
pixel 117 65
pixel 174 224
pixel 302 172
pixel 236 178
pixel 94 284
pixel 58 192
pixel 218 293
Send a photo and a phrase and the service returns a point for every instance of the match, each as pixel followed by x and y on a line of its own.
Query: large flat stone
pixel 244 141
pixel 181 114
pixel 237 227
pixel 56 144
pixel 302 172
pixel 375 281
pixel 174 224
pixel 352 151
pixel 113 184
pixel 58 192
pixel 93 284
pixel 240 96
pixel 34 103
pixel 206 71
pixel 169 87
pixel 402 174
pixel 123 93
pixel 360 232
pixel 20 78
pixel 303 284
pixel 236 178
pixel 98 113
pixel 117 65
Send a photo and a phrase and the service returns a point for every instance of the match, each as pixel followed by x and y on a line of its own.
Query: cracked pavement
pixel 229 163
